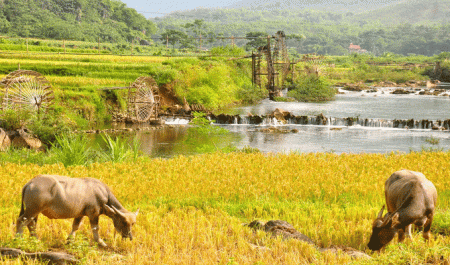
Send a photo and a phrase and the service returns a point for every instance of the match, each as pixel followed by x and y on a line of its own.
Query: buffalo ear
pixel 395 220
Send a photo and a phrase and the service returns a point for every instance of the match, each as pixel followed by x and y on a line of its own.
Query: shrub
pixel 228 50
pixel 48 126
pixel 442 74
pixel 251 94
pixel 312 88
pixel 15 119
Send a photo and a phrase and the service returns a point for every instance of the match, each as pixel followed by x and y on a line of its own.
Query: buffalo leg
pixel 408 231
pixel 75 226
pixel 94 227
pixel 427 227
pixel 401 234
pixel 22 221
pixel 32 226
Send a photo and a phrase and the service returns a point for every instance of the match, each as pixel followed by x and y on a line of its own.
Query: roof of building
pixel 354 47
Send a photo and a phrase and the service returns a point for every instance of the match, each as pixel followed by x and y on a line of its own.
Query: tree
pixel 256 39
pixel 172 36
pixel 197 30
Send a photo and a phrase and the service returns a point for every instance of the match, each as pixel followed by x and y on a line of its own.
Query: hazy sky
pixel 151 8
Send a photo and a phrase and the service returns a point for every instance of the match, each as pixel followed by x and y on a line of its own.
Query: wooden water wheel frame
pixel 278 64
pixel 143 99
pixel 26 89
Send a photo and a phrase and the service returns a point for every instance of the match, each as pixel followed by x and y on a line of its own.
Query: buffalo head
pixel 383 230
pixel 123 221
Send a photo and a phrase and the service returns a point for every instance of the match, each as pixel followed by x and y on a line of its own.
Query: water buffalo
pixel 410 199
pixel 60 197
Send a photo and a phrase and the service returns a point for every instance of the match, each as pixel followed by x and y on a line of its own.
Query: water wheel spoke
pixel 28 89
pixel 143 99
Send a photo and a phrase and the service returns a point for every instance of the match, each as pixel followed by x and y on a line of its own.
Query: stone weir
pixel 280 117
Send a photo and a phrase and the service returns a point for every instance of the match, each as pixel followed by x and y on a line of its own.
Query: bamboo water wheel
pixel 277 61
pixel 143 99
pixel 26 89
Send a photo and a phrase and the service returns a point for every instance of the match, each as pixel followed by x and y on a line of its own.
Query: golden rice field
pixel 79 57
pixel 89 60
pixel 192 209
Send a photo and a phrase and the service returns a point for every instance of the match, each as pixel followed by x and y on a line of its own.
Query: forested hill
pixel 354 6
pixel 388 12
pixel 404 27
pixel 319 26
pixel 109 20
pixel 412 12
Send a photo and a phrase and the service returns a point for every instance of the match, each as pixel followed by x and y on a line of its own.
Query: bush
pixel 312 88
pixel 442 74
pixel 228 50
pixel 251 94
pixel 49 126
pixel 14 119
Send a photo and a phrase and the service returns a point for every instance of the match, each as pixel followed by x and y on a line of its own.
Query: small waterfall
pixel 176 121
pixel 271 122
pixel 245 120
pixel 321 120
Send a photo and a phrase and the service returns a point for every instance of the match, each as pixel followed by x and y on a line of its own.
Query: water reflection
pixel 169 141
pixel 346 140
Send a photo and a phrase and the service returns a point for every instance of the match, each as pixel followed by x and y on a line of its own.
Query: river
pixel 376 135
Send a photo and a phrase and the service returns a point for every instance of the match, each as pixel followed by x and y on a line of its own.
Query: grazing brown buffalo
pixel 410 199
pixel 60 197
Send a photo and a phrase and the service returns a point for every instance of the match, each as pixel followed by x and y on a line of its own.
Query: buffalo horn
pixel 380 214
pixel 117 211
pixel 137 212
pixel 109 208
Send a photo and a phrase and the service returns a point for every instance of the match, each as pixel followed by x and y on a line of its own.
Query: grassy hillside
pixel 193 211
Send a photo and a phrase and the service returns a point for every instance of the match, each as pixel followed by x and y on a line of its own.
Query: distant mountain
pixel 387 12
pixel 328 27
pixel 412 12
pixel 353 6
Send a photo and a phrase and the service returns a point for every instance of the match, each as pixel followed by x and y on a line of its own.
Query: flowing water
pixel 375 126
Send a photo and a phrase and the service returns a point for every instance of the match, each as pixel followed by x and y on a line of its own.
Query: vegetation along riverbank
pixel 195 209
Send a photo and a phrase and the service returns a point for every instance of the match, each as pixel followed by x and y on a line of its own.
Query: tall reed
pixel 72 149
pixel 117 149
